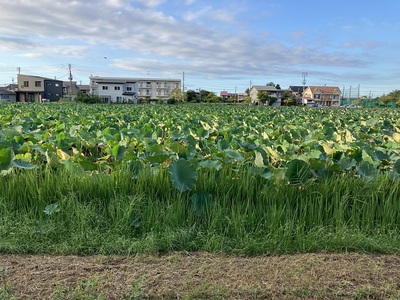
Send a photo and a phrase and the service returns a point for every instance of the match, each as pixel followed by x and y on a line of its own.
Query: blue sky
pixel 220 45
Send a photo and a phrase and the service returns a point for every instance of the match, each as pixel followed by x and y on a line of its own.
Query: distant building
pixel 38 89
pixel 273 92
pixel 241 97
pixel 297 91
pixel 68 92
pixel 119 89
pixel 226 96
pixel 7 95
pixel 322 95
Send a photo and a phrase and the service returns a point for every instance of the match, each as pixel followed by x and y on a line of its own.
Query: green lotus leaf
pixel 158 158
pixel 183 175
pixel 118 152
pixel 233 154
pixel 396 166
pixel 6 158
pixel 262 172
pixel 223 145
pixel 347 163
pixel 23 164
pixel 367 170
pixel 211 164
pixel 298 172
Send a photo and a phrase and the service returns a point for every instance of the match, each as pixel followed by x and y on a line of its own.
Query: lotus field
pixel 121 178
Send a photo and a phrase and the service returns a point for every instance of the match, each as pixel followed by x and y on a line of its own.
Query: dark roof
pixel 5 91
pixel 265 88
pixel 83 86
pixel 297 88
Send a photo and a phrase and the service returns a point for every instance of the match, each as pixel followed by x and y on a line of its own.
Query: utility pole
pixel 183 83
pixel 200 94
pixel 70 82
pixel 236 95
pixel 304 75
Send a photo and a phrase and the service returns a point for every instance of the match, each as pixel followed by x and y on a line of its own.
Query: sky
pixel 212 45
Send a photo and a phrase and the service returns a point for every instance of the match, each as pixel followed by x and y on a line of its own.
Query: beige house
pixel 38 89
pixel 322 95
pixel 273 92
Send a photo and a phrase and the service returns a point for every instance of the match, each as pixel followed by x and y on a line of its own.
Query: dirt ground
pixel 201 276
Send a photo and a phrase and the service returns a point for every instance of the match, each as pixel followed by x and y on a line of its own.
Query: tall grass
pixel 115 213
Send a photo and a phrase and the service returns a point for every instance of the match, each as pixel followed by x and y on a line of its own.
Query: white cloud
pixel 190 2
pixel 147 38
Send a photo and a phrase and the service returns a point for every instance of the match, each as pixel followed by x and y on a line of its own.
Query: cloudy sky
pixel 219 44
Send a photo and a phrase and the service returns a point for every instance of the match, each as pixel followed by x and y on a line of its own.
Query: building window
pixel 129 88
pixel 148 92
pixel 105 87
pixel 26 83
pixel 38 83
pixel 119 99
pixel 117 88
pixel 57 84
pixel 105 99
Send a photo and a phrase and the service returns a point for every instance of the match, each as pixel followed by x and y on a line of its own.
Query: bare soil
pixel 201 276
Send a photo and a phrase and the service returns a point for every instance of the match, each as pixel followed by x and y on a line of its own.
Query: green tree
pixel 264 97
pixel 178 95
pixel 210 97
pixel 87 98
pixel 247 99
pixel 393 97
pixel 288 98
pixel 191 96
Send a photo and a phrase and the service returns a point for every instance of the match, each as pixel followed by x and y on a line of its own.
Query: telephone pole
pixel 70 82
pixel 183 83
pixel 304 75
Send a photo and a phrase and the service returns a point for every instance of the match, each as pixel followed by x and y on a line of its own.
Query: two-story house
pixel 114 89
pixel 38 89
pixel 118 89
pixel 322 95
pixel 272 91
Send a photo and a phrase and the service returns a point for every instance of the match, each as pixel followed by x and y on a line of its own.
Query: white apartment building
pixel 116 89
